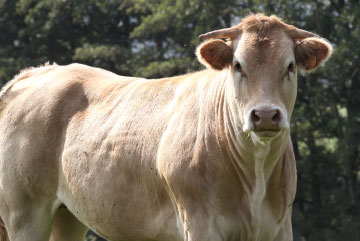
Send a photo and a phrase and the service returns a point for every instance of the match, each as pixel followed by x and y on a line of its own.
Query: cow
pixel 202 156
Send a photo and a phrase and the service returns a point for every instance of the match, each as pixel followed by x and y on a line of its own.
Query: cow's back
pixel 89 139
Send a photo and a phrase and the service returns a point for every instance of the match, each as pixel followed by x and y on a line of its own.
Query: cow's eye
pixel 291 67
pixel 237 67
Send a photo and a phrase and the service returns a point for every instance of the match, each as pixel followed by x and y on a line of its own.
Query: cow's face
pixel 262 66
pixel 265 82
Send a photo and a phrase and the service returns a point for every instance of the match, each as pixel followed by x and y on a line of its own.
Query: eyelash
pixel 237 68
pixel 291 67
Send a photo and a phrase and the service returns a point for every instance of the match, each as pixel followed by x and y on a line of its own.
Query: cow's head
pixel 262 56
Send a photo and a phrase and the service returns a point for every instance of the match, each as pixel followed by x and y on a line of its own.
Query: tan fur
pixel 160 159
pixel 261 24
pixel 311 52
pixel 25 73
pixel 215 54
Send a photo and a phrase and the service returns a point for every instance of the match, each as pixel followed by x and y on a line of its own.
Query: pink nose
pixel 266 118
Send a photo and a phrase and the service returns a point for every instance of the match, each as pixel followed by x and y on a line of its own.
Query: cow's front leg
pixel 198 213
pixel 285 232
pixel 194 182
pixel 197 223
pixel 197 216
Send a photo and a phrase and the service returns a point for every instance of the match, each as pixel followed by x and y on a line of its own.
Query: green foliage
pixel 158 38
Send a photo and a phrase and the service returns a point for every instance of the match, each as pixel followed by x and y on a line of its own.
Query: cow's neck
pixel 255 164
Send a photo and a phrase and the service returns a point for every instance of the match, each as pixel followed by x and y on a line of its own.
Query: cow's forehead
pixel 253 50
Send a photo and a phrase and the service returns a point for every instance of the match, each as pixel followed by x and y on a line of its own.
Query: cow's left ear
pixel 215 54
pixel 311 52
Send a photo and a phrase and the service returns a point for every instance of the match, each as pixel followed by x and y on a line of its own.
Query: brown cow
pixel 203 156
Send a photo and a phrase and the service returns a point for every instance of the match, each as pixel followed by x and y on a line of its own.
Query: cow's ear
pixel 215 54
pixel 311 52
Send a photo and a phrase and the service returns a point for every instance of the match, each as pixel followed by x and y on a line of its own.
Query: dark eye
pixel 237 67
pixel 291 67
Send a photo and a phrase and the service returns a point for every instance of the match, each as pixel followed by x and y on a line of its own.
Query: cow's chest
pixel 257 223
pixel 256 210
pixel 265 221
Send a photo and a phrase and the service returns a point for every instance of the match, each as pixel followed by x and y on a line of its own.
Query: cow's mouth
pixel 265 136
pixel 267 133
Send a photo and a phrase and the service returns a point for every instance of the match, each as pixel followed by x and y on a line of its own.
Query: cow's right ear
pixel 215 54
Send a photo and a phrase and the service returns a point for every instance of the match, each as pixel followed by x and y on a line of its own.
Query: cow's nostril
pixel 254 117
pixel 277 117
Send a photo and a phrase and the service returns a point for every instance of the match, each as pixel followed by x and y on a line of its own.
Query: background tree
pixel 158 38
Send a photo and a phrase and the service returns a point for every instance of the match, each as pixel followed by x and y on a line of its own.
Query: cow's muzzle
pixel 265 120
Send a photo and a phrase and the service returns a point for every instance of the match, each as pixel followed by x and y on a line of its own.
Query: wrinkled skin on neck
pixel 260 160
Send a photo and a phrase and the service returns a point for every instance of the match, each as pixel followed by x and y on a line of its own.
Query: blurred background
pixel 158 38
